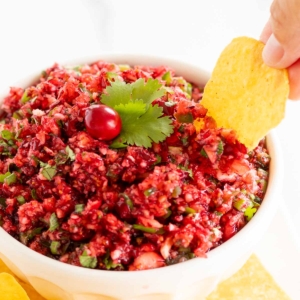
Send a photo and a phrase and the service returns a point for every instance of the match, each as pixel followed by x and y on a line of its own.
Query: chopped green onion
pixel 79 208
pixel 189 89
pixel 8 178
pixel 187 118
pixel 21 199
pixel 185 141
pixel 220 148
pixel 54 247
pixel 158 159
pixel 190 210
pixel 149 192
pixel 3 176
pixel 60 123
pixel 109 263
pixel 168 214
pixel 3 202
pixel 186 169
pixel 167 77
pixel 12 178
pixel 124 67
pixel 143 228
pixel 181 128
pixel 203 153
pixel 25 237
pixel 112 76
pixel 7 135
pixel 53 222
pixel 33 194
pixel 160 231
pixel 77 68
pixel 184 250
pixel 128 201
pixel 257 200
pixel 25 97
pixel 239 204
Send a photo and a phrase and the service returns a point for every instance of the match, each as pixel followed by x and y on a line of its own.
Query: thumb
pixel 283 46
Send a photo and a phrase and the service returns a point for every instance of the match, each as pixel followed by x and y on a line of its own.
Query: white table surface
pixel 34 34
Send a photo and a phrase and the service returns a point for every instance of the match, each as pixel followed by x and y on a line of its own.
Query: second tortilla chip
pixel 244 94
pixel 10 289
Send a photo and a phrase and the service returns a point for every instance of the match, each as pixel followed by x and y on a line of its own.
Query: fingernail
pixel 273 52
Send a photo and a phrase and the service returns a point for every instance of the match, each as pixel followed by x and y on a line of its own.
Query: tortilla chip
pixel 244 94
pixel 10 289
pixel 31 292
pixel 251 282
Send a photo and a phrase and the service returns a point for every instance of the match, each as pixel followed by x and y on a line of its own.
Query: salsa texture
pixel 69 195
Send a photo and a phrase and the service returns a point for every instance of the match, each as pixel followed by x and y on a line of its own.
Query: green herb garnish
pixel 7 135
pixel 25 237
pixel 53 222
pixel 88 261
pixel 142 123
pixel 148 229
pixel 63 156
pixel 109 263
pixel 54 247
pixel 25 97
pixel 79 208
pixel 149 192
pixel 33 194
pixel 220 148
pixel 70 153
pixel 190 210
pixel 203 153
pixel 21 199
pixel 48 171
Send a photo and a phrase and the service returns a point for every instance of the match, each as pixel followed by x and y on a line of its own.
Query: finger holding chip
pixel 244 94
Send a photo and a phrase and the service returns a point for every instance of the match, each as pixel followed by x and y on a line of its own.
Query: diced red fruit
pixel 147 260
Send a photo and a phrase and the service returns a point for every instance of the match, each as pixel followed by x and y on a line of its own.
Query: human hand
pixel 281 35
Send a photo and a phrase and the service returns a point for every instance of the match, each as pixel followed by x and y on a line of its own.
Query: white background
pixel 35 34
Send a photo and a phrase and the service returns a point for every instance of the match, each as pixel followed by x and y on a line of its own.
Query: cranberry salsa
pixel 118 167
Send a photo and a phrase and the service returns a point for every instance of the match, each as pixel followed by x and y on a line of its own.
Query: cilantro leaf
pixel 141 128
pixel 119 92
pixel 142 123
pixel 53 222
pixel 49 172
pixel 88 261
pixel 7 135
pixel 148 91
pixel 25 98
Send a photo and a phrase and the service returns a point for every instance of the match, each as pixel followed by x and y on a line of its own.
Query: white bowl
pixel 193 279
